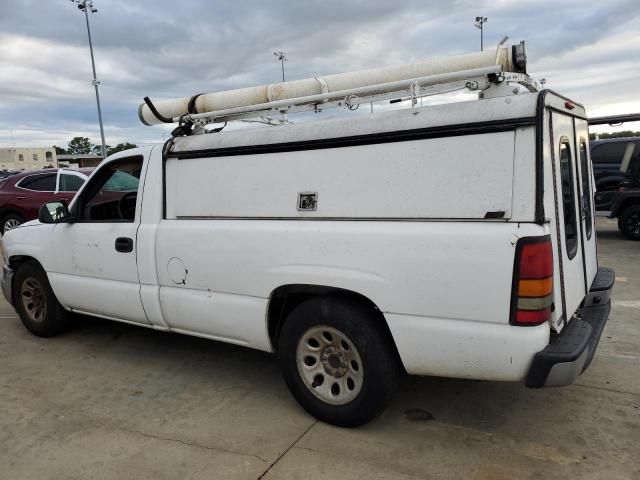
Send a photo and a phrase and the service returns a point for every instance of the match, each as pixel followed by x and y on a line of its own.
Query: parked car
pixel 455 240
pixel 616 167
pixel 22 194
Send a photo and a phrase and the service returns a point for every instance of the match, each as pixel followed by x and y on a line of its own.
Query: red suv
pixel 22 195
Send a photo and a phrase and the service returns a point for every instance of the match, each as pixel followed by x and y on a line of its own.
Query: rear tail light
pixel 532 294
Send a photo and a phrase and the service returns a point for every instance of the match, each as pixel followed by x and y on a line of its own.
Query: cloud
pixel 165 49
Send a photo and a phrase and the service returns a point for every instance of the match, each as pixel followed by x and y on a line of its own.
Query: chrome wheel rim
pixel 33 300
pixel 11 224
pixel 330 365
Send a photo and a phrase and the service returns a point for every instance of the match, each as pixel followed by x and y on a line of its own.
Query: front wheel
pixel 629 222
pixel 10 222
pixel 338 360
pixel 35 302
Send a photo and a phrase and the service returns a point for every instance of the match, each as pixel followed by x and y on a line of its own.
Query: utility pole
pixel 282 58
pixel 480 21
pixel 86 6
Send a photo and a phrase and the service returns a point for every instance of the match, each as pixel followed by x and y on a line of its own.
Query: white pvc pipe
pixel 264 94
pixel 358 91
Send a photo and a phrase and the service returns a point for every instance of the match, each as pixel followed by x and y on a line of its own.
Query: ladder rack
pixel 488 73
pixel 481 79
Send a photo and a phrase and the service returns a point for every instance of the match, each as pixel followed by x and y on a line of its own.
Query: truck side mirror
pixel 53 212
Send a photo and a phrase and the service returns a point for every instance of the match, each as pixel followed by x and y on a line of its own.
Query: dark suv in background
pixel 616 163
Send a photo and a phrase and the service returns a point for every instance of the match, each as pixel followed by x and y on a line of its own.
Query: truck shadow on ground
pixel 188 360
pixel 610 234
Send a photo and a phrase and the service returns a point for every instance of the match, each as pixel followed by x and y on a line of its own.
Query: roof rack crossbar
pixel 615 119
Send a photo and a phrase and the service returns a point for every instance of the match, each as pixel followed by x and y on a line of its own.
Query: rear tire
pixel 10 222
pixel 338 360
pixel 35 302
pixel 629 222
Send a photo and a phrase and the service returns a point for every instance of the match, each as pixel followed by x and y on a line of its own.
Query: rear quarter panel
pixel 443 287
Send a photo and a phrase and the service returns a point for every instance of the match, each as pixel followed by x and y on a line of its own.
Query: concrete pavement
pixel 112 401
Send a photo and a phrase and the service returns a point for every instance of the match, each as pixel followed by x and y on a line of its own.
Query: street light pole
pixel 282 57
pixel 480 21
pixel 86 5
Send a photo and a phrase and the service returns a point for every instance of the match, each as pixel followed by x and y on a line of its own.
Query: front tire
pixel 35 302
pixel 629 222
pixel 338 361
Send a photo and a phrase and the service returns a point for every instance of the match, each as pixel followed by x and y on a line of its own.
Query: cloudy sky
pixel 588 50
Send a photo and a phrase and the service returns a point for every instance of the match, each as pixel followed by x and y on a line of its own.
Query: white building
pixel 15 158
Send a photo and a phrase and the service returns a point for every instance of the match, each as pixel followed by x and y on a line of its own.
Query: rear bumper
pixel 7 283
pixel 570 353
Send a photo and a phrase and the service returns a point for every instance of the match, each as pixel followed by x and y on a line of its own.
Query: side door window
pixel 113 194
pixel 70 182
pixel 609 154
pixel 39 183
pixel 568 200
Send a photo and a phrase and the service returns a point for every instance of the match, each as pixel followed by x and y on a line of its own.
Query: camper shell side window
pixel 568 198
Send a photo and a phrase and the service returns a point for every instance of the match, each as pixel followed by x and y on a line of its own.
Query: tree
pixel 59 150
pixel 79 145
pixel 623 133
pixel 120 147
pixel 97 149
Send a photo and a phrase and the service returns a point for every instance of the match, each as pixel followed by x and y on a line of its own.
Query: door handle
pixel 21 198
pixel 124 244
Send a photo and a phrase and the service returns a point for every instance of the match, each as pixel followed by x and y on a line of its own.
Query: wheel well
pixel 10 211
pixel 287 297
pixel 18 260
pixel 627 203
pixel 15 262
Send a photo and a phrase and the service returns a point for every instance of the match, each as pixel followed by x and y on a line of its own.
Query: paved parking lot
pixel 112 401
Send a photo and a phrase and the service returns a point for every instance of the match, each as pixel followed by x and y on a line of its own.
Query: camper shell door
pixel 568 203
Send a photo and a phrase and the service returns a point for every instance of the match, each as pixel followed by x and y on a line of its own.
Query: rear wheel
pixel 338 360
pixel 629 222
pixel 36 303
pixel 10 222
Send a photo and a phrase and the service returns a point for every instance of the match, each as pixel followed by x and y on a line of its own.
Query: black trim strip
pixel 540 128
pixel 367 139
pixel 166 147
pixel 348 219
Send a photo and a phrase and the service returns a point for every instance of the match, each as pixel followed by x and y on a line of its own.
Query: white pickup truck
pixel 454 240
